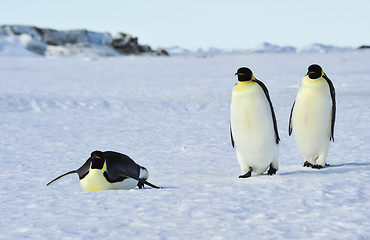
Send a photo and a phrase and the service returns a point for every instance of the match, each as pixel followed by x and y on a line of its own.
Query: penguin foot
pixel 317 166
pixel 140 185
pixel 271 171
pixel 307 164
pixel 247 175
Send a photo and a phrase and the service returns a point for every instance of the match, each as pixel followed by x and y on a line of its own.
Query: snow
pixel 264 47
pixel 15 46
pixel 268 47
pixel 171 115
pixel 322 48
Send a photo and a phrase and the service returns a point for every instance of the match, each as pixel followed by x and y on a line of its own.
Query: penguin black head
pixel 97 160
pixel 314 71
pixel 244 74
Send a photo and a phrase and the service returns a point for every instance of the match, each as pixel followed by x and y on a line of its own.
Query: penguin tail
pixel 61 176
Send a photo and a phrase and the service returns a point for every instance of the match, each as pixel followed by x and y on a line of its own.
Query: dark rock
pixel 125 44
pixel 162 52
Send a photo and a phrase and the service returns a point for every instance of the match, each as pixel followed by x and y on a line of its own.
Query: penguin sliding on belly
pixel 108 171
pixel 253 127
pixel 312 117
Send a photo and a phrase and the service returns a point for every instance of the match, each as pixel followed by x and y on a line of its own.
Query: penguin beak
pixel 239 74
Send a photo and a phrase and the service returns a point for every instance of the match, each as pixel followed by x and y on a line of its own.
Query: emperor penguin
pixel 253 127
pixel 109 171
pixel 312 117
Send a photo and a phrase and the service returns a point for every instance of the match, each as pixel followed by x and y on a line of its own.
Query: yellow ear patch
pixel 104 165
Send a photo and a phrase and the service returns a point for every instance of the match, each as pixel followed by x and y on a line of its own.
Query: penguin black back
pixel 119 165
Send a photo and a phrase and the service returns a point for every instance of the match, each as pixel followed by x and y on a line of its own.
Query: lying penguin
pixel 109 171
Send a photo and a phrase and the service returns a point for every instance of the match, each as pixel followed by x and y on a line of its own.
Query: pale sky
pixel 204 23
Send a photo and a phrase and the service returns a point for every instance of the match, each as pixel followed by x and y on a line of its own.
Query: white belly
pixel 95 181
pixel 311 120
pixel 252 128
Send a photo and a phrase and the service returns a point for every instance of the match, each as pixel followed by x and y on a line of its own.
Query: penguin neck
pixel 243 85
pixel 313 80
pixel 104 167
pixel 318 83
pixel 94 181
pixel 245 82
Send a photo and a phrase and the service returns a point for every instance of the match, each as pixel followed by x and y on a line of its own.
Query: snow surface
pixel 171 115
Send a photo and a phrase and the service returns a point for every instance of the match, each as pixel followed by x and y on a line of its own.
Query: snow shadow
pixel 332 168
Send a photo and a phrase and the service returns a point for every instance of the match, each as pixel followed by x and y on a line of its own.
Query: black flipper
pixel 290 120
pixel 265 90
pixel 82 172
pixel 61 176
pixel 84 169
pixel 333 109
pixel 232 139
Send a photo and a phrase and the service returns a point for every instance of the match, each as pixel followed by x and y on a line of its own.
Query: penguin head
pixel 97 160
pixel 244 74
pixel 314 71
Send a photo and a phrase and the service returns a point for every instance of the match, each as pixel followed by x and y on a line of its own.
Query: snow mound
pixel 264 47
pixel 322 48
pixel 81 50
pixel 271 48
pixel 176 50
pixel 17 46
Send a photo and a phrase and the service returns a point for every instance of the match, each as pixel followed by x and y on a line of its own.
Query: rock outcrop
pixel 364 47
pixel 43 41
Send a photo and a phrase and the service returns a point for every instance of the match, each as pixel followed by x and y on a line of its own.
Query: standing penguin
pixel 253 128
pixel 109 170
pixel 312 117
